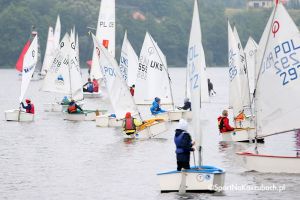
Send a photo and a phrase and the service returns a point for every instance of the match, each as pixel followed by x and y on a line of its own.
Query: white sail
pixel 152 79
pixel 58 79
pixel 243 74
pixel 57 32
pixel 235 95
pixel 50 51
pixel 29 64
pixel 278 90
pixel 195 62
pixel 250 52
pixel 129 62
pixel 119 94
pixel 106 31
pixel 74 71
pixel 196 53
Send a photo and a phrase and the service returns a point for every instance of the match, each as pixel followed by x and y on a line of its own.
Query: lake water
pixel 60 160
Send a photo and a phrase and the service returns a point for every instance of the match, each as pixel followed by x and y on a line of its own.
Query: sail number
pixel 193 73
pixel 124 67
pixel 285 58
pixel 232 67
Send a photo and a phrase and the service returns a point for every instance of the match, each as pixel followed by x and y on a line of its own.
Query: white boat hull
pixel 92 95
pixel 270 164
pixel 238 135
pixel 172 115
pixel 85 116
pixel 193 180
pixel 153 130
pixel 187 115
pixel 106 121
pixel 16 115
pixel 56 107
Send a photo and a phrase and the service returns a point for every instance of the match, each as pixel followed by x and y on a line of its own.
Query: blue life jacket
pixel 90 87
pixel 178 143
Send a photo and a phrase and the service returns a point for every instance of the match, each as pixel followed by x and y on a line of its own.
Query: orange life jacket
pixel 72 108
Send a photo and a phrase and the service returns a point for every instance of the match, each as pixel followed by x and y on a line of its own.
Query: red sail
pixel 19 65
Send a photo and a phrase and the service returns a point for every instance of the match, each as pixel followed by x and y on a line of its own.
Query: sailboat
pixel 153 80
pixel 29 64
pixel 198 178
pixel 239 98
pixel 129 62
pixel 120 97
pixel 105 33
pixel 277 91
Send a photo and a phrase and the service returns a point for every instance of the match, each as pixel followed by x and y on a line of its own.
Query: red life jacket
pixel 31 110
pixel 129 124
pixel 72 109
pixel 132 91
pixel 95 86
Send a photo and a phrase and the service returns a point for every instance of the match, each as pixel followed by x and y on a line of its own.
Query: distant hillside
pixel 167 20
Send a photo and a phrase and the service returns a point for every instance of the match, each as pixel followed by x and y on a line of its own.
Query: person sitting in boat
pixel 88 87
pixel 65 101
pixel 130 124
pixel 74 108
pixel 187 105
pixel 95 85
pixel 184 145
pixel 29 107
pixel 223 123
pixel 132 88
pixel 155 108
pixel 210 88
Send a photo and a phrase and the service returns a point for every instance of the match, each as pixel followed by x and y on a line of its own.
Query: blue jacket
pixel 155 108
pixel 183 142
pixel 90 87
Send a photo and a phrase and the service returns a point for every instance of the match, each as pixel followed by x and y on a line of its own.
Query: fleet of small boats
pixel 259 81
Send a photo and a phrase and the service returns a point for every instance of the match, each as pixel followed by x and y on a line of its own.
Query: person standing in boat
pixel 95 86
pixel 223 122
pixel 130 124
pixel 29 107
pixel 184 145
pixel 187 105
pixel 88 87
pixel 132 90
pixel 155 108
pixel 210 88
pixel 74 108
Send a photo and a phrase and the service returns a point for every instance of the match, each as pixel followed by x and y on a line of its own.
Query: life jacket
pixel 129 124
pixel 221 124
pixel 240 117
pixel 178 142
pixel 95 86
pixel 90 87
pixel 132 91
pixel 31 110
pixel 72 108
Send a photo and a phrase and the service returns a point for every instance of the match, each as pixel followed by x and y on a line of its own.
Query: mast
pixel 259 72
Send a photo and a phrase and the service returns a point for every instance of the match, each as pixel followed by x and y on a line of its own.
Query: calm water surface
pixel 60 160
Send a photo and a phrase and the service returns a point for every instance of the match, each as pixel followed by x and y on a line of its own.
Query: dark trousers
pixel 85 90
pixel 183 165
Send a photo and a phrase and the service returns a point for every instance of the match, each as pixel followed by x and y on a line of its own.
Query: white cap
pixel 183 125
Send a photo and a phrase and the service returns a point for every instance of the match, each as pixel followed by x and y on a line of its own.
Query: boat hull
pixel 152 130
pixel 92 95
pixel 187 115
pixel 106 121
pixel 269 163
pixel 16 115
pixel 171 115
pixel 85 116
pixel 239 135
pixel 206 179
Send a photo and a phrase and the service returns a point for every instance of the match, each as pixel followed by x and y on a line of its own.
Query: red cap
pixel 128 115
pixel 27 100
